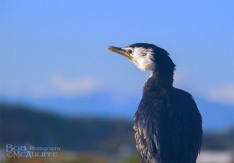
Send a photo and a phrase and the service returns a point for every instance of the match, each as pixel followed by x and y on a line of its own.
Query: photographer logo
pixel 14 151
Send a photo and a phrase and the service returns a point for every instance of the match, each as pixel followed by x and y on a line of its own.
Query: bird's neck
pixel 159 80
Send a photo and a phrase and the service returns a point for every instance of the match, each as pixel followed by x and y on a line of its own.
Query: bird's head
pixel 146 56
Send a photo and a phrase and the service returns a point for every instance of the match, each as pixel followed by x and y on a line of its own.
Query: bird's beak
pixel 120 51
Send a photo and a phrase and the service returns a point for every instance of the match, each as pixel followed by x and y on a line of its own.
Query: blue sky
pixel 54 48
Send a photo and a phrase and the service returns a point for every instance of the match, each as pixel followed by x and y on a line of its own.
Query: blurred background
pixel 60 87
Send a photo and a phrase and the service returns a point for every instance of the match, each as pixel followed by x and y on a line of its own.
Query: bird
pixel 167 124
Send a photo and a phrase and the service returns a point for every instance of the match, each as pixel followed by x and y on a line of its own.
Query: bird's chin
pixel 144 67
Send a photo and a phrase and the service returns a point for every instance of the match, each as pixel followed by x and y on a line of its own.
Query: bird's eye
pixel 129 51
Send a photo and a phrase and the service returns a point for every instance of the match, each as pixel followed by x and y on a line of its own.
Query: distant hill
pixel 215 115
pixel 20 124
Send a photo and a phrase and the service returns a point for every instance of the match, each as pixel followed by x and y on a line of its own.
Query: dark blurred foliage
pixel 75 158
pixel 219 140
pixel 131 159
pixel 20 125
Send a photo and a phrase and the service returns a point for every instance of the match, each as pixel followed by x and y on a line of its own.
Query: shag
pixel 167 124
